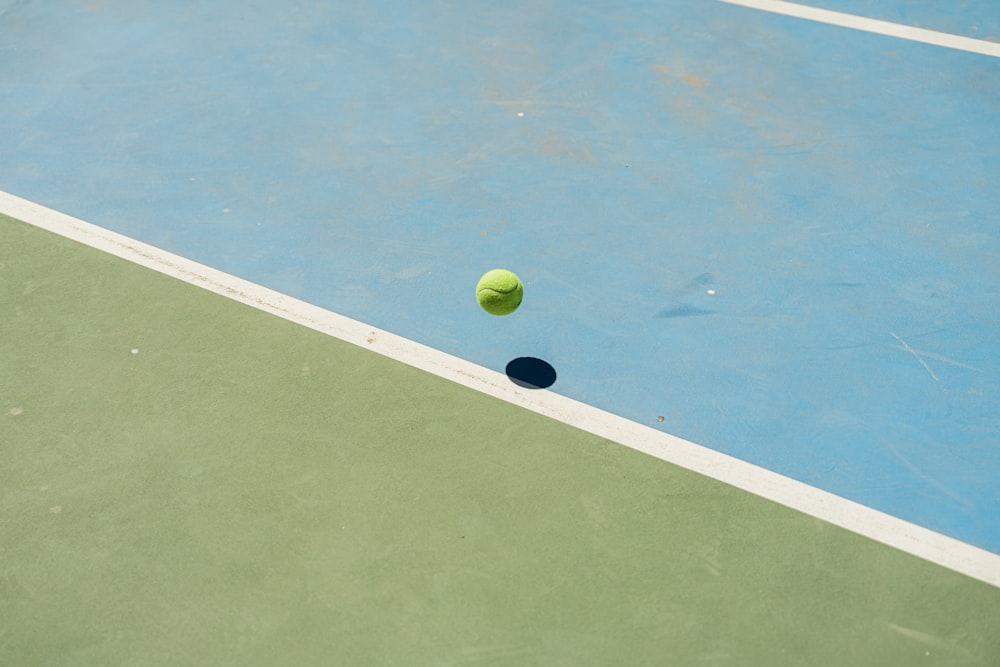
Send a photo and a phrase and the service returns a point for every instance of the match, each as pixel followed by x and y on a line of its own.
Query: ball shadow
pixel 531 373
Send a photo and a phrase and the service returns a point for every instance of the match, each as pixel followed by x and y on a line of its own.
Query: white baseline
pixel 945 39
pixel 910 538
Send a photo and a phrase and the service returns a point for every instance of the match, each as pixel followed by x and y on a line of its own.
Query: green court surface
pixel 187 480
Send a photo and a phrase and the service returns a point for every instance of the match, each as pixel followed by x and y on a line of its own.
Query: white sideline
pixel 877 26
pixel 910 538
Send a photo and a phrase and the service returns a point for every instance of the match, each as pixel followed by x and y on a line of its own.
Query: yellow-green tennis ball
pixel 499 292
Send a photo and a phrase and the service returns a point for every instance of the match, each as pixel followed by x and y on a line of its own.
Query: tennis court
pixel 251 413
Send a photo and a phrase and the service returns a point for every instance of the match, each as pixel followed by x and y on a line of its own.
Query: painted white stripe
pixel 946 551
pixel 873 25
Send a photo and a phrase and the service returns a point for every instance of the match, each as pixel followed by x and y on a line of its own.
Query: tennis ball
pixel 499 292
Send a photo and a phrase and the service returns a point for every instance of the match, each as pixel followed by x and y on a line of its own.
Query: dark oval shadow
pixel 531 373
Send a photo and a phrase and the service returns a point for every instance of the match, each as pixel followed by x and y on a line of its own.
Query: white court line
pixel 945 39
pixel 921 542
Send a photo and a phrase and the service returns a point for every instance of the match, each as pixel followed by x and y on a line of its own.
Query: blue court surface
pixel 771 236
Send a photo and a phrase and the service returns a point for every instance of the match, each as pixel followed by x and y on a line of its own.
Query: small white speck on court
pixel 56 509
pixel 520 114
pixel 135 350
pixel 711 292
pixel 14 412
